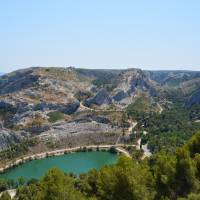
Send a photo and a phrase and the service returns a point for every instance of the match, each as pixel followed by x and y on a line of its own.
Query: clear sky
pixel 149 34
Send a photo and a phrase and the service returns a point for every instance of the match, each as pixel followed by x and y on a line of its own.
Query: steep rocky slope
pixel 33 100
pixel 194 99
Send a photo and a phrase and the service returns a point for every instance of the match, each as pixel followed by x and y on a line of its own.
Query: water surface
pixel 76 162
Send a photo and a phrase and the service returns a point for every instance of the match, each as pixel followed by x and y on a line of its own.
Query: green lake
pixel 75 162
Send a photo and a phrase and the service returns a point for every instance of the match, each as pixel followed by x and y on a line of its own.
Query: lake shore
pixel 58 152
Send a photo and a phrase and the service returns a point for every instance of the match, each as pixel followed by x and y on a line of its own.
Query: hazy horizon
pixel 156 35
pixel 107 68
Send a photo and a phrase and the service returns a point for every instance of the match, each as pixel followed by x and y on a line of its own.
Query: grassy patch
pixel 55 116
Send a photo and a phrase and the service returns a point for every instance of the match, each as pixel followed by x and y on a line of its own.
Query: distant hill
pixel 120 86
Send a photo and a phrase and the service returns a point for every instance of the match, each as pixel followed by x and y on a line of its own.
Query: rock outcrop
pixel 43 106
pixel 7 106
pixel 132 80
pixel 69 108
pixel 194 99
pixel 102 97
pixel 10 137
pixel 35 130
pixel 18 81
pixel 120 95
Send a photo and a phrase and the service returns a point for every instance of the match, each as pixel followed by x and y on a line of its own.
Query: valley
pixel 42 109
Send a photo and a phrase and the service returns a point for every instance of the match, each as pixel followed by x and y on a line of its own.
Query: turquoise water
pixel 76 162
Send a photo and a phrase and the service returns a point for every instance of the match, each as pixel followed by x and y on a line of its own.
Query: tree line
pixel 163 176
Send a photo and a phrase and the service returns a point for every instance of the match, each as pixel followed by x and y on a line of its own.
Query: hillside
pixel 66 107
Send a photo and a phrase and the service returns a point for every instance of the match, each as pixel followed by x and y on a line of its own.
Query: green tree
pixel 186 171
pixel 88 183
pixel 57 186
pixel 127 180
pixel 54 186
pixel 163 166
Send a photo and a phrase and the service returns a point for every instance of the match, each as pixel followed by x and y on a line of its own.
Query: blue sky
pixel 149 34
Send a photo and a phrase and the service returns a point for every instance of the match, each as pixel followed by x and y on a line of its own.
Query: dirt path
pixel 132 126
pixel 138 145
pixel 123 151
pixel 147 152
pixel 160 108
pixel 98 110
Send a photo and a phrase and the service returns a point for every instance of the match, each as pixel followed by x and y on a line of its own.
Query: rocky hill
pixel 70 103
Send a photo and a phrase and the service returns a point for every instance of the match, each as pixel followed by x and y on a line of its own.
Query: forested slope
pixel 164 176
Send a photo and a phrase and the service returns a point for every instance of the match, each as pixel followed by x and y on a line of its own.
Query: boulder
pixel 102 97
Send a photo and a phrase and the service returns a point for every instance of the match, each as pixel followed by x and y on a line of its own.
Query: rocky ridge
pixel 34 99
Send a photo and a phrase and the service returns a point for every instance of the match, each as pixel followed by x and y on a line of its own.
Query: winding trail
pixel 98 110
pixel 123 151
pixel 146 151
pixel 132 126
